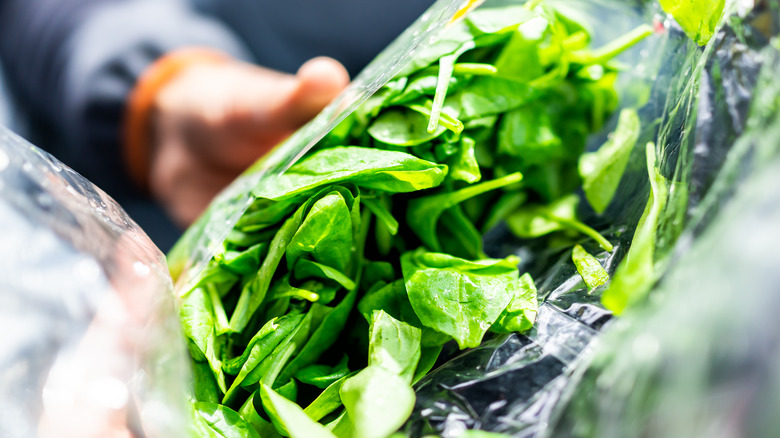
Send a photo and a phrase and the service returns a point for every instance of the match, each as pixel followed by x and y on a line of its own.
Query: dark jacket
pixel 72 63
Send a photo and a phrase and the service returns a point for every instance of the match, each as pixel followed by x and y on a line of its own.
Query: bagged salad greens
pixel 501 183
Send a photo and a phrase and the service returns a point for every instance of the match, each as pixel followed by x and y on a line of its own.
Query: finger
pixel 320 80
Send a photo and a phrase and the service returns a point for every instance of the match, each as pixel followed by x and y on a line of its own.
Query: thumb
pixel 319 81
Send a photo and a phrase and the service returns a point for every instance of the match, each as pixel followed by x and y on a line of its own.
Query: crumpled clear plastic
pixel 91 345
pixel 687 363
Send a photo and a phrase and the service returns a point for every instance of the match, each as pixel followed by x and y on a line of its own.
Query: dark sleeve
pixel 74 62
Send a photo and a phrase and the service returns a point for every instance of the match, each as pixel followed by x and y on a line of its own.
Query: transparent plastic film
pixel 92 345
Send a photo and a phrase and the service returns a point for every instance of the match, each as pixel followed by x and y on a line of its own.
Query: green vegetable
pixel 341 283
pixel 520 314
pixel 289 414
pixel 601 170
pixel 634 276
pixel 377 402
pixel 591 271
pixel 458 297
pixel 213 420
pixel 698 18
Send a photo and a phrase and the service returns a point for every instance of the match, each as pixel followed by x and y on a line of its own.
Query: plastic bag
pixel 659 370
pixel 694 105
pixel 91 342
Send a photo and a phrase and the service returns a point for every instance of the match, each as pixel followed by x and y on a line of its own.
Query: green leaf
pixel 377 402
pixel 428 357
pixel 249 413
pixel 446 67
pixel 488 20
pixel 402 127
pixel 698 18
pixel 328 401
pixel 601 171
pixel 520 314
pixel 538 220
pixel 325 234
pixel 527 133
pixel 221 422
pixel 591 271
pixel 464 166
pixel 423 213
pixel 489 95
pixel 308 269
pixel 635 275
pixel 253 293
pixel 458 297
pixel 519 59
pixel 204 384
pixel 244 262
pixel 272 339
pixel 323 337
pixel 197 319
pixel 389 171
pixel 290 417
pixel 323 376
pixel 393 345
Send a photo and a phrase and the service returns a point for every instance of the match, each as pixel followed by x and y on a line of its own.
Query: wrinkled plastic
pixel 91 345
pixel 694 106
pixel 659 370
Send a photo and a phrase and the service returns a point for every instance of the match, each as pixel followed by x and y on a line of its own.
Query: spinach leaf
pixel 325 234
pixel 528 134
pixel 591 271
pixel 243 262
pixel 323 376
pixel 197 319
pixel 393 345
pixel 273 344
pixel 219 421
pixel 634 276
pixel 698 18
pixel 323 337
pixel 458 297
pixel 464 166
pixel 248 412
pixel 423 213
pixel 253 293
pixel 328 401
pixel 377 402
pixel 489 95
pixel 537 220
pixel 307 269
pixel 602 170
pixel 389 171
pixel 498 20
pixel 289 417
pixel 401 127
pixel 520 314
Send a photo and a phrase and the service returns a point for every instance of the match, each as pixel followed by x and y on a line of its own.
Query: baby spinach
pixel 698 18
pixel 458 297
pixel 377 402
pixel 520 314
pixel 288 416
pixel 601 170
pixel 343 281
pixel 591 271
pixel 635 275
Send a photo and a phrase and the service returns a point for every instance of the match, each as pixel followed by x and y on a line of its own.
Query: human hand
pixel 213 120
